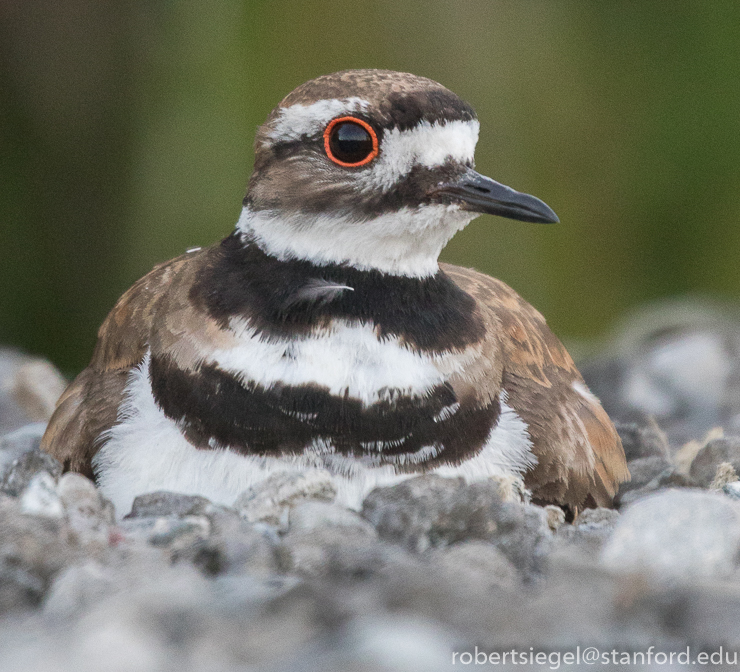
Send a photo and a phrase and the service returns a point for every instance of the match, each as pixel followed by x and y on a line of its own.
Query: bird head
pixel 372 169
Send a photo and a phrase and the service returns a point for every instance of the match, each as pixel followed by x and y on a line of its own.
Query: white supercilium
pixel 297 121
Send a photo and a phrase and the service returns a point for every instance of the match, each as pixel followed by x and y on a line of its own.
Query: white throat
pixel 407 242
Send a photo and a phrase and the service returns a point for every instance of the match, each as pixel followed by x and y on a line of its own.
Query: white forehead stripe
pixel 425 144
pixel 299 120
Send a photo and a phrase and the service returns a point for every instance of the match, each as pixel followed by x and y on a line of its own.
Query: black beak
pixel 478 193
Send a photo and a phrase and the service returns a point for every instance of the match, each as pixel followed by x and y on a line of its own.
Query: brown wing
pixel 89 406
pixel 580 457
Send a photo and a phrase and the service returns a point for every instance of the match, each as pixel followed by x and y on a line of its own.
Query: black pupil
pixel 350 142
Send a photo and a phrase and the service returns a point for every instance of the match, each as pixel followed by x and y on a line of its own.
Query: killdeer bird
pixel 323 332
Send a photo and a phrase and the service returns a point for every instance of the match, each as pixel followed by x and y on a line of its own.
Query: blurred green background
pixel 126 133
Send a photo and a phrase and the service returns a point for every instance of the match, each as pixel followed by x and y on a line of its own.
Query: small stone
pixel 725 475
pixel 29 389
pixel 346 554
pixel 715 452
pixel 685 455
pixel 668 478
pixel 88 515
pixel 21 459
pixel 596 519
pixel 33 549
pixel 270 500
pixel 732 490
pixel 479 563
pixel 641 441
pixel 676 535
pixel 510 488
pixel 167 531
pixel 524 537
pixel 588 533
pixel 165 503
pixel 314 514
pixel 77 587
pixel 430 511
pixel 233 546
pixel 179 533
pixel 36 386
pixel 555 516
pixel 40 498
pixel 643 470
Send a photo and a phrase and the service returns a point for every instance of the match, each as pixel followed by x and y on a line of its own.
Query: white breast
pixel 346 359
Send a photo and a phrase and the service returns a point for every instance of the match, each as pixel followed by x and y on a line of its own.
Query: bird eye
pixel 350 142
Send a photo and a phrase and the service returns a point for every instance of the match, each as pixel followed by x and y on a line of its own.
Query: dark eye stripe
pixel 350 142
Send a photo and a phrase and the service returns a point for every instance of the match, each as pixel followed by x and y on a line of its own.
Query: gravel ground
pixel 286 580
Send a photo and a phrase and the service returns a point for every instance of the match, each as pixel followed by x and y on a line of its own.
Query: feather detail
pixel 316 291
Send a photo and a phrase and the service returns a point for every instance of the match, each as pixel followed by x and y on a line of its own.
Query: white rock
pixel 311 514
pixel 676 535
pixel 76 588
pixel 40 497
pixel 732 490
pixel 403 644
pixel 20 441
pixel 270 500
pixel 89 516
pixel 36 386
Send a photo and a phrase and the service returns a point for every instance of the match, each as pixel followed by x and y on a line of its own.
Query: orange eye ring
pixel 359 122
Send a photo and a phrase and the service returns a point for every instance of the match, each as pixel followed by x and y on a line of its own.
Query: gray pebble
pixel 342 554
pixel 89 516
pixel 643 470
pixel 270 500
pixel 479 563
pixel 429 511
pixel 21 459
pixel 29 389
pixel 41 498
pixel 32 550
pixel 708 459
pixel 642 440
pixel 233 546
pixel 165 503
pixel 732 490
pixel 588 533
pixel 670 477
pixel 676 535
pixel 173 533
pixel 312 514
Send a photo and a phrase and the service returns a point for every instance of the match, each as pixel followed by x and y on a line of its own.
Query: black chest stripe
pixel 282 420
pixel 431 314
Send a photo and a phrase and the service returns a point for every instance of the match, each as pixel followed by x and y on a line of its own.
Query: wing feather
pixel 89 405
pixel 579 453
